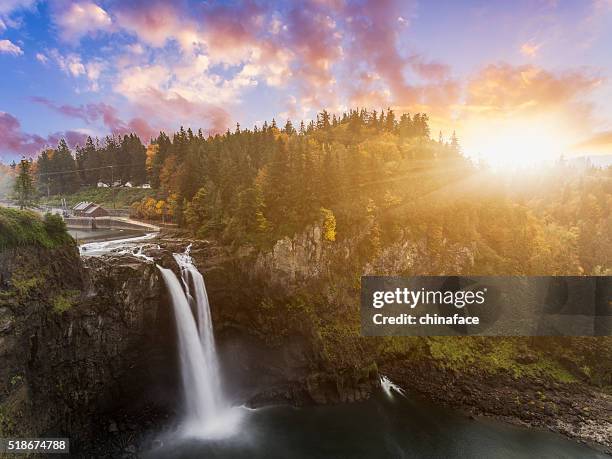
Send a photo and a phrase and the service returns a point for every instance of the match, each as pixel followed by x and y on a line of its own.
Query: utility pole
pixel 113 184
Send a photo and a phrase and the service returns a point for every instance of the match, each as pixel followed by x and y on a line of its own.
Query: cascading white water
pixel 194 282
pixel 118 246
pixel 389 386
pixel 208 414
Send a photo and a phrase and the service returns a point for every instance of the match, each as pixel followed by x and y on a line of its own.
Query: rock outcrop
pixel 77 341
pixel 86 343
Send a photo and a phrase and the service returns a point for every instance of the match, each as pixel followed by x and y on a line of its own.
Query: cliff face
pixel 75 340
pixel 269 333
pixel 82 340
pixel 311 288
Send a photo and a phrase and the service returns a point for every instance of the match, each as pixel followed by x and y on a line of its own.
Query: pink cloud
pixel 155 22
pixel 77 19
pixel 167 110
pixel 9 6
pixel 429 70
pixel 234 31
pixel 14 141
pixel 8 47
pixel 171 109
pixel 107 114
pixel 375 28
pixel 312 39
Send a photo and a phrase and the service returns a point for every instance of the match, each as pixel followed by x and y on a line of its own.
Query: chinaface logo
pixel 486 306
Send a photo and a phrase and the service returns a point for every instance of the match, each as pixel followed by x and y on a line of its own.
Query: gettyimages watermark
pixel 486 306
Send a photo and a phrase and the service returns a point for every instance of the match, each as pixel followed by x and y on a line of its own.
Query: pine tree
pixel 390 121
pixel 288 129
pixel 456 148
pixel 24 186
pixel 405 127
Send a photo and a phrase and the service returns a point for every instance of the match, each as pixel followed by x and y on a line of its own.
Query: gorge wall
pixel 84 339
pixel 77 340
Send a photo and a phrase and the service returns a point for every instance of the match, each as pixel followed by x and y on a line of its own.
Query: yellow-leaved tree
pixel 329 224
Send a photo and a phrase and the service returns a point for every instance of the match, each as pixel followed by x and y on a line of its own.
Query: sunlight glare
pixel 516 144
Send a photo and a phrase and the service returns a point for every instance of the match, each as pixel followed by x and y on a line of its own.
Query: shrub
pixel 55 226
pixel 24 227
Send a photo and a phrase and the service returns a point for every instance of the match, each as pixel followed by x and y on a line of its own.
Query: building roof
pixel 81 206
pixel 91 209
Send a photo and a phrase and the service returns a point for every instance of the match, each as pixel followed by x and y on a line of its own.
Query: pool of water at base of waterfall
pixel 382 427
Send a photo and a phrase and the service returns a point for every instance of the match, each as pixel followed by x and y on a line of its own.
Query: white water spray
pixel 389 387
pixel 116 246
pixel 208 414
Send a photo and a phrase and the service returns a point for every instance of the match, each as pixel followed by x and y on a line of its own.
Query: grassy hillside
pixel 24 227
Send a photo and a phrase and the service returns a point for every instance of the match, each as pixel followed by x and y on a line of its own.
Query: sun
pixel 516 144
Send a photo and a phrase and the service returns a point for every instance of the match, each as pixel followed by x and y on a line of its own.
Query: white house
pixel 102 185
pixel 128 185
pixel 145 185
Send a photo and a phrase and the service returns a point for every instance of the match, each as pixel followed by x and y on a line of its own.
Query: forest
pixel 363 173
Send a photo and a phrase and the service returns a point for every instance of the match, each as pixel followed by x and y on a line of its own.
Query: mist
pixel 7 182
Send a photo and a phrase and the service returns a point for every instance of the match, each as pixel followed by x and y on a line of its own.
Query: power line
pixel 76 171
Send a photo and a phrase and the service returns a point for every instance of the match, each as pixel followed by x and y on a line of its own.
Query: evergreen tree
pixel 288 129
pixel 455 147
pixel 24 186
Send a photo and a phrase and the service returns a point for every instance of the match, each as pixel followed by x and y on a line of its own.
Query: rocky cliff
pixel 88 344
pixel 77 340
pixel 310 289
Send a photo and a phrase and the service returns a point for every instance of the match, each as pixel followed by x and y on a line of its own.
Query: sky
pixel 504 75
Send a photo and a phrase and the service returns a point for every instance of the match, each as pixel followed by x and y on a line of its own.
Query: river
pixel 386 426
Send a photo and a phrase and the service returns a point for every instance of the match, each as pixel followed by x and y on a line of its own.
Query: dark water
pixel 382 427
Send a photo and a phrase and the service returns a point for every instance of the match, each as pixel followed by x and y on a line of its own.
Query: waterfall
pixel 389 387
pixel 118 246
pixel 208 414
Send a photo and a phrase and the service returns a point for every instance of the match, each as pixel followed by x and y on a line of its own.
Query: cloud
pixel 73 65
pixel 134 80
pixel 171 108
pixel 8 47
pixel 9 6
pixel 530 49
pixel 506 103
pixel 315 39
pixel 223 50
pixel 101 112
pixel 40 57
pixel 428 70
pixel 135 48
pixel 181 93
pixel 410 82
pixel 14 141
pixel 156 22
pixel 81 18
pixel 189 63
pixel 510 90
pixel 8 10
pixel 600 142
pixel 375 42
